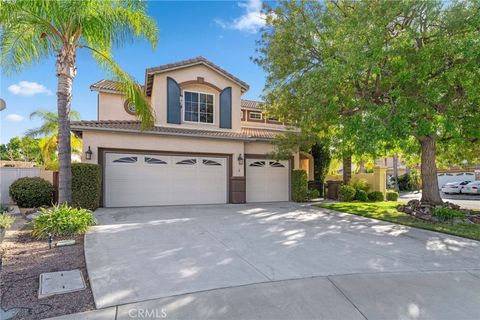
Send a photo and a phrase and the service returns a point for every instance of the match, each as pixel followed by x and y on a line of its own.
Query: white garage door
pixel 149 180
pixel 267 180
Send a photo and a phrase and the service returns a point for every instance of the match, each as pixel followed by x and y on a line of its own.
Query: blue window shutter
pixel 226 108
pixel 174 112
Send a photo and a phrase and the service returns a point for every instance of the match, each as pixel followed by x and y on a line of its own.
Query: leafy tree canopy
pixel 21 149
pixel 376 76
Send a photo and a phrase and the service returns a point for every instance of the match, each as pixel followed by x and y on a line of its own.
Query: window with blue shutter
pixel 226 108
pixel 174 113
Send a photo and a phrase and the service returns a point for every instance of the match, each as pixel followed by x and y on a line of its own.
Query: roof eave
pixel 82 128
pixel 92 88
pixel 152 71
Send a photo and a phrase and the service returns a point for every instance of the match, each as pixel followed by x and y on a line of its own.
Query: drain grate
pixel 60 282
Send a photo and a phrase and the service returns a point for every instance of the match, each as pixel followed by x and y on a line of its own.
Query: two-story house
pixel 208 145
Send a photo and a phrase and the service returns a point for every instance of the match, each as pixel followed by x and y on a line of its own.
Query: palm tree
pixel 34 30
pixel 48 132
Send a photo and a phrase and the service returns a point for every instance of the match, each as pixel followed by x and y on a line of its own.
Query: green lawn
pixel 387 211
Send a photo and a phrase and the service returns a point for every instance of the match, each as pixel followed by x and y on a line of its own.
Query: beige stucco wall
pixel 111 107
pixel 159 95
pixel 377 180
pixel 138 141
pixel 266 148
pixel 101 139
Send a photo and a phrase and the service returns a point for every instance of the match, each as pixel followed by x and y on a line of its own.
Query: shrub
pixel 447 214
pixel 361 195
pixel 375 196
pixel 62 220
pixel 313 194
pixel 86 185
pixel 3 208
pixel 31 192
pixel 299 185
pixel 408 182
pixel 346 193
pixel 6 220
pixel 392 196
pixel 360 184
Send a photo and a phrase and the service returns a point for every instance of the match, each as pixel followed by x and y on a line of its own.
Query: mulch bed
pixel 23 260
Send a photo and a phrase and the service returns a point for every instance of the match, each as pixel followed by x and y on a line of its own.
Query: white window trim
pixel 254 112
pixel 184 109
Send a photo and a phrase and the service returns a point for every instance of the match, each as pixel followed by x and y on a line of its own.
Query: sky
pixel 224 32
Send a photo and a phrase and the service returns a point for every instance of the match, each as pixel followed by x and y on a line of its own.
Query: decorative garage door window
pixel 187 162
pixel 126 160
pixel 152 160
pixel 209 162
pixel 276 164
pixel 257 164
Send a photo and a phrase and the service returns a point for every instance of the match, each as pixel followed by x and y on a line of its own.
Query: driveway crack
pixel 346 297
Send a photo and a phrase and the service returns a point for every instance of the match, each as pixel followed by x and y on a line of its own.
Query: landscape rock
pixel 424 211
pixel 475 218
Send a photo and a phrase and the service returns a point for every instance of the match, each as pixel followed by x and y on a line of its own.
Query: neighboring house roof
pixel 249 134
pixel 150 72
pixel 252 104
pixel 107 86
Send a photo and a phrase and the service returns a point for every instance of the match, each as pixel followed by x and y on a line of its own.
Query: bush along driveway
pixel 387 211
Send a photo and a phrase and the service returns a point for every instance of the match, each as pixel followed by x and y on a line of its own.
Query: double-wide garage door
pixel 149 180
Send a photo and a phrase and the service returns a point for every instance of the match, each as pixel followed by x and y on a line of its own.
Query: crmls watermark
pixel 153 313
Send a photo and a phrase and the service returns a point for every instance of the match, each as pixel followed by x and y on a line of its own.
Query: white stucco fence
pixel 9 175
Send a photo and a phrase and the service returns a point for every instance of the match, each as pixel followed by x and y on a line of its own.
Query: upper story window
pixel 198 107
pixel 255 116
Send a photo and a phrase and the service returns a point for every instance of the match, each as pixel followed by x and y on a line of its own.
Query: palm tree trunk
pixel 66 71
pixel 428 167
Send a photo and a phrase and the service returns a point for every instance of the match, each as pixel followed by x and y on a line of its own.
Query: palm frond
pixel 132 91
pixel 50 122
pixel 32 30
pixel 26 36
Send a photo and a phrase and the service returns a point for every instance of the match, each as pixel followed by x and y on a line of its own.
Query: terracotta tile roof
pixel 251 104
pixel 107 85
pixel 185 63
pixel 259 133
pixel 134 126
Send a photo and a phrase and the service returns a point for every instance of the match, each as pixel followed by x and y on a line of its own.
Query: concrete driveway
pixel 276 261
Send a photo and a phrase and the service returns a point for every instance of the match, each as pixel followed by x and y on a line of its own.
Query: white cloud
pixel 14 117
pixel 27 88
pixel 251 21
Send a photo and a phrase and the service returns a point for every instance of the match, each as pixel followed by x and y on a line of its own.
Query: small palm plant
pixel 34 30
pixel 48 132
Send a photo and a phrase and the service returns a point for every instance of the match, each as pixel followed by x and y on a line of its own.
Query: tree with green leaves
pixel 321 162
pixel 378 74
pixel 21 149
pixel 48 134
pixel 34 30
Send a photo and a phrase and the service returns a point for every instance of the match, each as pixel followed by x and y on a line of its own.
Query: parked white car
pixel 454 187
pixel 472 188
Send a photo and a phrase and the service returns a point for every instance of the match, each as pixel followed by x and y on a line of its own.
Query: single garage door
pixel 267 180
pixel 149 180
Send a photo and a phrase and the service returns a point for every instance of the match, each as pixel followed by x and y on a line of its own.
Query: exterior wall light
pixel 240 159
pixel 88 154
